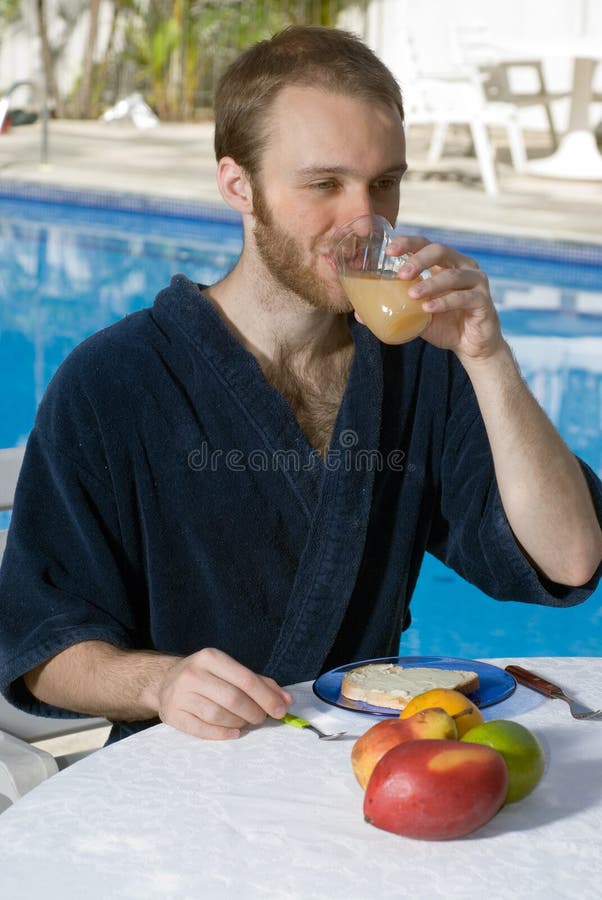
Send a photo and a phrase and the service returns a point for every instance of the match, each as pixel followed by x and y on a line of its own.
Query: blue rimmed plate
pixel 495 684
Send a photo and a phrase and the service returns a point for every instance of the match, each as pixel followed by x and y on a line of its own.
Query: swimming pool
pixel 67 270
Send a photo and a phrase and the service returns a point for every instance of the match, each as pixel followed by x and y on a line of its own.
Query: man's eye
pixel 324 185
pixel 385 184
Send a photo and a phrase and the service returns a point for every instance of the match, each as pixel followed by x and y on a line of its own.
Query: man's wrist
pixel 156 668
pixel 499 365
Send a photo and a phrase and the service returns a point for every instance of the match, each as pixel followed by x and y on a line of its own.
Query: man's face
pixel 329 158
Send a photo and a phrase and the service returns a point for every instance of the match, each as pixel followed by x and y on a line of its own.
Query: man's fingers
pixel 288 698
pixel 219 703
pixel 427 255
pixel 191 724
pixel 452 288
pixel 267 696
pixel 218 677
pixel 410 243
pixel 211 695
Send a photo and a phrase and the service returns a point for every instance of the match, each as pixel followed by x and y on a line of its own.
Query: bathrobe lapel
pixel 334 495
pixel 329 565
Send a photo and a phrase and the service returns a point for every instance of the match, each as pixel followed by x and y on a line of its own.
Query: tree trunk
pixel 103 72
pixel 84 105
pixel 51 85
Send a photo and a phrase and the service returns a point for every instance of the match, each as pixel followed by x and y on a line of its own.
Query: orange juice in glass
pixel 368 271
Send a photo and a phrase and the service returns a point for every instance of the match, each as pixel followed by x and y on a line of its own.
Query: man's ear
pixel 234 185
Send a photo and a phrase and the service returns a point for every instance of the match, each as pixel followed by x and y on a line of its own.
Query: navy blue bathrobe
pixel 170 500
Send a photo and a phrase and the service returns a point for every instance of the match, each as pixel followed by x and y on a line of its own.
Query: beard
pixel 283 257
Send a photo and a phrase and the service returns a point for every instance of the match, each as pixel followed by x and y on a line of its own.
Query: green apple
pixel 521 750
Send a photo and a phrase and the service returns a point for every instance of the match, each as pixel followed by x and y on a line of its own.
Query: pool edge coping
pixel 129 201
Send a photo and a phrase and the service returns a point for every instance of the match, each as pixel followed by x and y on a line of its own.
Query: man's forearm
pixel 208 693
pixel 99 679
pixel 543 489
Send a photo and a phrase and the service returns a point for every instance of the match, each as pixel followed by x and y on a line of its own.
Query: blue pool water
pixel 68 270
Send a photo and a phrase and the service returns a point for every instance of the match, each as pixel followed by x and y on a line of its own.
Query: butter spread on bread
pixel 392 686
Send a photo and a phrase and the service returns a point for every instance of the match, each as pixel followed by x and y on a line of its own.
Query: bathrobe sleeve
pixel 470 531
pixel 64 578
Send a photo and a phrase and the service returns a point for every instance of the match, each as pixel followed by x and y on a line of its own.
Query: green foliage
pixel 180 47
pixel 173 51
pixel 9 11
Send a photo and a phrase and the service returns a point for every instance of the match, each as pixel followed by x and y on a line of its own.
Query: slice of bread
pixel 391 686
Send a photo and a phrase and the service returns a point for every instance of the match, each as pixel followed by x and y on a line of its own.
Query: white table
pixel 577 155
pixel 278 814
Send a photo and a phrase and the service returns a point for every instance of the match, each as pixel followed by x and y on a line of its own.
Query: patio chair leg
pixel 437 142
pixel 517 146
pixel 484 154
pixel 551 126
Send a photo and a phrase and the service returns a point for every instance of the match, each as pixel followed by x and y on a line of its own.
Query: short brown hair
pixel 309 55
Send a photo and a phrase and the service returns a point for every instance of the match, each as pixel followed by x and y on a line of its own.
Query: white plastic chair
pixel 442 101
pixel 10 463
pixel 458 97
pixel 519 81
pixel 22 767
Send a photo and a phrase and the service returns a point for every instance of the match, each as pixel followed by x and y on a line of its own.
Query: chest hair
pixel 314 389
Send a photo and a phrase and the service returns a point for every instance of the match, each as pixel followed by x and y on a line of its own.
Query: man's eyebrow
pixel 323 170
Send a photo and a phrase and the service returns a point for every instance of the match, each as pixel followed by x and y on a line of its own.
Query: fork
pixel 298 722
pixel 548 689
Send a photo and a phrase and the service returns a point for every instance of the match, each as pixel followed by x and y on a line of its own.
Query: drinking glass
pixel 367 266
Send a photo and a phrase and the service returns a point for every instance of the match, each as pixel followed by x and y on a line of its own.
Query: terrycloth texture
pixel 169 500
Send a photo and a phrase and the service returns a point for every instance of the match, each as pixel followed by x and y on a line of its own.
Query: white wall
pixel 431 25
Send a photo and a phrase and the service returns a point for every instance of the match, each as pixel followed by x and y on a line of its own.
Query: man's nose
pixel 359 205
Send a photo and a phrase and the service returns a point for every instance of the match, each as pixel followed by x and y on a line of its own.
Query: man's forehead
pixel 320 125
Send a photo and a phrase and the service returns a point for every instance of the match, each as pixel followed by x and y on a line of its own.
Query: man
pixel 154 568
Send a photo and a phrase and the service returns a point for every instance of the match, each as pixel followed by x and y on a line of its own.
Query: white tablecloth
pixel 278 814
